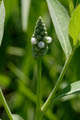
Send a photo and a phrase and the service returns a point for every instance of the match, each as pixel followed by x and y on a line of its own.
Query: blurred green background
pixel 18 67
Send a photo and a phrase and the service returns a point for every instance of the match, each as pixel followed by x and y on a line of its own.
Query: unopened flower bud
pixel 33 41
pixel 41 44
pixel 48 39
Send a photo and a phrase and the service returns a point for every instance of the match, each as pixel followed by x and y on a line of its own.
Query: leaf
pixel 17 117
pixel 60 20
pixel 72 89
pixel 2 19
pixel 74 26
pixel 25 13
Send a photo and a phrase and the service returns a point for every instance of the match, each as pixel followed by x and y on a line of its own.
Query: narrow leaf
pixel 2 19
pixel 60 20
pixel 74 26
pixel 72 89
pixel 25 13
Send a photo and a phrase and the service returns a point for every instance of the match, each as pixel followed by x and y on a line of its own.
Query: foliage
pixel 18 68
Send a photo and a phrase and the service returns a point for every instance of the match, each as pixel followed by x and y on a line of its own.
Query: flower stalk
pixel 38 105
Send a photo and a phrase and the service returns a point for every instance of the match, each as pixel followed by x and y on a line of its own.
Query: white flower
pixel 33 41
pixel 41 44
pixel 48 39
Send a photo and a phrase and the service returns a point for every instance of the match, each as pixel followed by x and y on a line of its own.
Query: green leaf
pixel 60 20
pixel 25 13
pixel 72 89
pixel 2 19
pixel 74 26
pixel 17 117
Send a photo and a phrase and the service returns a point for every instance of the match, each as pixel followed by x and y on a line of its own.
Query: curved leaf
pixel 2 19
pixel 72 89
pixel 60 20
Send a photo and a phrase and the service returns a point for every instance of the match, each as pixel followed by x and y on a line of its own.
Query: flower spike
pixel 40 39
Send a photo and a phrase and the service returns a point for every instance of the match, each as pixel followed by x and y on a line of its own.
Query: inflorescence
pixel 40 39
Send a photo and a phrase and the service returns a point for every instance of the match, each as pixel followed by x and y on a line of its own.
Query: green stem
pixel 52 94
pixel 5 105
pixel 38 106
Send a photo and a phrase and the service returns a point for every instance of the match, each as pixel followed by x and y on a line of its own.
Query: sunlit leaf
pixel 2 19
pixel 74 27
pixel 60 20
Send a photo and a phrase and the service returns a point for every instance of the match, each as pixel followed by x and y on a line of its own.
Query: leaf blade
pixel 60 19
pixel 2 19
pixel 72 89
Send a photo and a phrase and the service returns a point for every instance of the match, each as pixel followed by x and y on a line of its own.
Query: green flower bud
pixel 40 39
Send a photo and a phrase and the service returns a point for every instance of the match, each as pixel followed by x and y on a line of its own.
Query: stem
pixel 5 105
pixel 52 94
pixel 38 108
